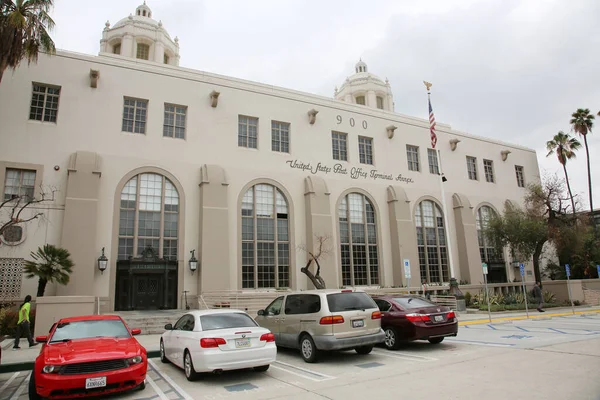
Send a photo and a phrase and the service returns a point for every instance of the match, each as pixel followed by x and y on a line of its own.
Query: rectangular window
pixel 143 51
pixel 117 49
pixel 380 102
pixel 412 154
pixel 432 156
pixel 44 103
pixel 472 168
pixel 339 145
pixel 365 150
pixel 360 100
pixel 19 183
pixel 280 136
pixel 134 115
pixel 248 132
pixel 488 168
pixel 174 124
pixel 520 176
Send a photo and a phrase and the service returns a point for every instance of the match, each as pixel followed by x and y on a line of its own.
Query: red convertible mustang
pixel 88 356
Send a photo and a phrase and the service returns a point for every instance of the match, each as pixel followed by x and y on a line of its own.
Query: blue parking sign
pixel 522 269
pixel 598 267
pixel 568 270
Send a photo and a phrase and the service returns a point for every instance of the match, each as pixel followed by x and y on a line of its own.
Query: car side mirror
pixel 136 331
pixel 41 339
pixel 260 312
pixel 169 327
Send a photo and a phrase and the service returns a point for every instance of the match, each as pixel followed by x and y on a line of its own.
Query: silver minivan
pixel 316 320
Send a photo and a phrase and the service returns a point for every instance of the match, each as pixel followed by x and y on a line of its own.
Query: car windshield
pixel 349 301
pixel 89 329
pixel 413 302
pixel 226 321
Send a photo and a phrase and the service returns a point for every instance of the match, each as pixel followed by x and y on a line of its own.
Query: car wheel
pixel 163 356
pixel 308 350
pixel 436 340
pixel 391 339
pixel 364 349
pixel 188 367
pixel 32 391
pixel 262 368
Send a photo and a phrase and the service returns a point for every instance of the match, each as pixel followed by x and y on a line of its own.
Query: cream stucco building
pixel 151 161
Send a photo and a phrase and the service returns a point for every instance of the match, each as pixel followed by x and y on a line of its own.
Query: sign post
pixel 487 292
pixel 568 271
pixel 407 272
pixel 522 270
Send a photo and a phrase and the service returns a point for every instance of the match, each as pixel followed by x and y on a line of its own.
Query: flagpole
pixel 444 208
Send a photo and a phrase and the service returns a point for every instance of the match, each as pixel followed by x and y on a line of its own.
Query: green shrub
pixel 9 319
pixel 549 297
pixel 467 299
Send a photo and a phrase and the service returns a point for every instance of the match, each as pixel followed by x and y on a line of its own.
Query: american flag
pixel 432 126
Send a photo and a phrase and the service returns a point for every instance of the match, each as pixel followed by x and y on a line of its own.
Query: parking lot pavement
pixel 539 359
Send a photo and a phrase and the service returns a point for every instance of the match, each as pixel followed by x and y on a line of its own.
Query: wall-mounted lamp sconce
pixel 390 131
pixel 214 98
pixel 102 262
pixel 193 262
pixel 94 76
pixel 453 144
pixel 505 154
pixel 312 116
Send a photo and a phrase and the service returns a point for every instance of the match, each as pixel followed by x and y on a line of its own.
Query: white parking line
pixel 9 381
pixel 305 370
pixel 404 356
pixel 170 381
pixel 21 388
pixel 160 393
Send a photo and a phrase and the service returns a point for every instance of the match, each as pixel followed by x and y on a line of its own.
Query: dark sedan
pixel 407 318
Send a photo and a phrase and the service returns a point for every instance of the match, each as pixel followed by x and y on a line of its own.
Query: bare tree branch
pixel 19 205
pixel 322 251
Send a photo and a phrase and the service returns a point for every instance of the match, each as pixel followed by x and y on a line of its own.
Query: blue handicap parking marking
pixel 516 337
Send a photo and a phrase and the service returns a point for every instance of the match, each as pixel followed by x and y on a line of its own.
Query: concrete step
pixel 150 322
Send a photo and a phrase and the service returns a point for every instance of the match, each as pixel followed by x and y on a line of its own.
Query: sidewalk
pixel 481 317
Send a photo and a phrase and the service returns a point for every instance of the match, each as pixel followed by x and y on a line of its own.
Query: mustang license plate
pixel 242 343
pixel 358 323
pixel 91 383
pixel 438 318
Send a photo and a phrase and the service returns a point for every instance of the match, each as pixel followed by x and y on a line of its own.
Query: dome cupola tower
pixel 366 89
pixel 141 37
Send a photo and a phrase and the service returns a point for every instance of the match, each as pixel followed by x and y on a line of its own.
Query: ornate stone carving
pixel 312 116
pixel 214 98
pixel 94 76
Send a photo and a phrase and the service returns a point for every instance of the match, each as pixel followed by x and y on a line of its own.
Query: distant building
pixel 155 162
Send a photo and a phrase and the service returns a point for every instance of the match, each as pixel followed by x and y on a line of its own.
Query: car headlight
pixel 134 360
pixel 50 369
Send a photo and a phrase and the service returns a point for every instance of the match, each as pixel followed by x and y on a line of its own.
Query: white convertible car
pixel 216 341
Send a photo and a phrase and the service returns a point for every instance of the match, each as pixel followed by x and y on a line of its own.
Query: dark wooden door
pixel 147 290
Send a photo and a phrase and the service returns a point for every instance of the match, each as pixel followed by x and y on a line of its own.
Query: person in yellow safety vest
pixel 24 325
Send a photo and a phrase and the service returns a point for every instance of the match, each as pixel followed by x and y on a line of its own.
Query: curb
pixel 543 316
pixel 28 365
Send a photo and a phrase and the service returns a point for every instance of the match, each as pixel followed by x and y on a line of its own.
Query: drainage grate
pixel 370 365
pixel 241 387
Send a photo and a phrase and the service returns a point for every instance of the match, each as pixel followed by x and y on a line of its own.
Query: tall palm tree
pixel 565 147
pixel 24 26
pixel 582 122
pixel 50 264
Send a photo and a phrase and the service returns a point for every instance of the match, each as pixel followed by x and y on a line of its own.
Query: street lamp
pixel 193 262
pixel 102 262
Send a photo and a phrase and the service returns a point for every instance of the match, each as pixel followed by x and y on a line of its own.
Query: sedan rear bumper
pixel 333 343
pixel 430 332
pixel 209 360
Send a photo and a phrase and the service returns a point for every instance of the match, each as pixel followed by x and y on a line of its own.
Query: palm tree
pixel 582 122
pixel 565 147
pixel 24 26
pixel 50 264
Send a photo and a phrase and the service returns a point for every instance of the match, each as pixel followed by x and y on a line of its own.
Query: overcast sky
pixel 512 70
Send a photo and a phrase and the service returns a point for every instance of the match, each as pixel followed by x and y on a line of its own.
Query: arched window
pixel 265 238
pixel 358 241
pixel 431 242
pixel 149 217
pixel 143 51
pixel 360 100
pixel 489 254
